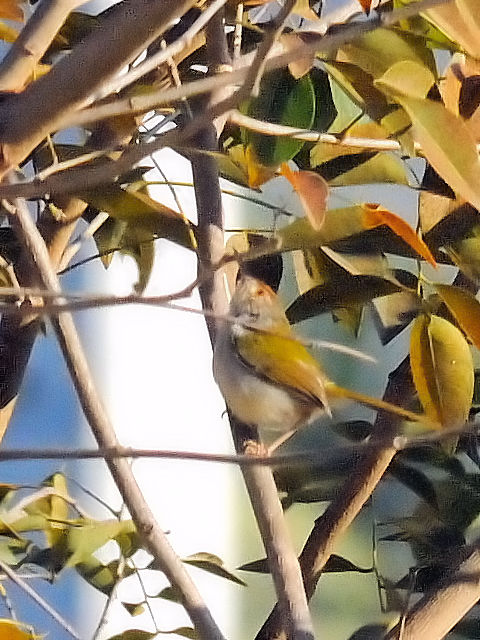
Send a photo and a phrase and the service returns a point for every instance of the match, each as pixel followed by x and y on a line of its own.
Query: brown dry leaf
pixel 312 190
pixel 11 10
pixel 375 216
pixel 302 8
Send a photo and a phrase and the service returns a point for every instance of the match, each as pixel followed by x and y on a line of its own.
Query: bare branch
pixel 152 534
pixel 69 84
pixel 19 64
pixel 437 612
pixel 31 593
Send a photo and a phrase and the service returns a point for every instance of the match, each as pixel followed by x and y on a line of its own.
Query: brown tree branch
pixel 69 84
pixel 439 610
pixel 18 66
pixel 152 534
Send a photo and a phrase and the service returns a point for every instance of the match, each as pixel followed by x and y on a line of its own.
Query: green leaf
pixel 108 237
pixel 100 576
pixel 134 634
pixel 415 480
pixel 335 564
pixel 377 51
pixel 338 293
pixel 282 100
pixel 139 209
pixel 358 86
pixel 212 564
pixel 92 535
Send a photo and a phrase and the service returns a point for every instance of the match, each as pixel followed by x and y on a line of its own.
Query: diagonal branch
pixel 437 612
pixel 18 66
pixel 153 536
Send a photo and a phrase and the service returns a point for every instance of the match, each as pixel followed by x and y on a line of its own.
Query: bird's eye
pixel 260 292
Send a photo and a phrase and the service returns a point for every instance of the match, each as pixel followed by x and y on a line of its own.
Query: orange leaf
pixel 11 10
pixel 257 173
pixel 312 190
pixel 366 4
pixel 374 216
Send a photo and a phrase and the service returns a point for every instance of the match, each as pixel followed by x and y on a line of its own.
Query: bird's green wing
pixel 285 361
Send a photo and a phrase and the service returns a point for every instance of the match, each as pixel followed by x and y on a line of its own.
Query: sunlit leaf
pixel 464 307
pixel 459 21
pixel 442 370
pixel 378 50
pixel 383 167
pixel 84 540
pixel 393 313
pixel 302 8
pixel 454 157
pixel 11 10
pixel 7 33
pixel 13 630
pixel 312 190
pixel 375 215
pixel 408 77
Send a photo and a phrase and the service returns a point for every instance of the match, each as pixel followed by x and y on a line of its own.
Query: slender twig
pixel 135 73
pixel 399 443
pixel 329 42
pixel 153 536
pixel 43 604
pixel 284 131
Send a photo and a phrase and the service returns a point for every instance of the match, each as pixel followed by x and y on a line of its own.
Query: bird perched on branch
pixel 268 378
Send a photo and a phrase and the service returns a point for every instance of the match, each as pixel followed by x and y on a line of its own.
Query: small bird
pixel 268 378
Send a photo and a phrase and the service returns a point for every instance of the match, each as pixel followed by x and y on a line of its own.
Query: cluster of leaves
pixel 44 531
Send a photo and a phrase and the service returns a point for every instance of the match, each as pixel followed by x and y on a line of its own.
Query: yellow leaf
pixel 459 21
pixel 312 190
pixel 13 630
pixel 302 8
pixel 375 216
pixel 257 173
pixel 408 77
pixel 442 370
pixel 446 141
pixel 464 307
pixel 7 34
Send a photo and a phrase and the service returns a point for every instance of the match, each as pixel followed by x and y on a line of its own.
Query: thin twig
pixel 137 72
pixel 43 604
pixel 300 457
pixel 329 42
